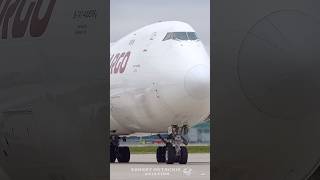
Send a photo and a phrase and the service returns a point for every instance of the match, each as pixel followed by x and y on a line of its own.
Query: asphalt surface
pixel 145 167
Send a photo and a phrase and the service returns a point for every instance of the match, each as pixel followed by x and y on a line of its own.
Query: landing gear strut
pixel 173 151
pixel 122 154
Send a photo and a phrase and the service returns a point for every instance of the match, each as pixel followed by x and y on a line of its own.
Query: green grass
pixel 153 149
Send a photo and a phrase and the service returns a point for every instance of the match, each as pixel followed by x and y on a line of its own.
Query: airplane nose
pixel 197 82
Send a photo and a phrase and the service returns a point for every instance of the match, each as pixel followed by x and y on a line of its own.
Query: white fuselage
pixel 156 83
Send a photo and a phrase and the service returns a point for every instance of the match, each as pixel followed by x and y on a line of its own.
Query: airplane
pixel 159 82
pixel 53 88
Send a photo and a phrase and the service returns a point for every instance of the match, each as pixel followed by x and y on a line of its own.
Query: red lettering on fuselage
pixel 118 62
pixel 22 20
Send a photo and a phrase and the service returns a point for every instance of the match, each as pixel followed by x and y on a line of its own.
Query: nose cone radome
pixel 197 82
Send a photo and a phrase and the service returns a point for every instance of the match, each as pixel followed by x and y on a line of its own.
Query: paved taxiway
pixel 145 167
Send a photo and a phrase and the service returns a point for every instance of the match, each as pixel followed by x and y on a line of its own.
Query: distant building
pixel 200 133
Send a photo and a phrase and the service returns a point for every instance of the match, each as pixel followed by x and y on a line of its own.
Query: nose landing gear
pixel 173 151
pixel 122 154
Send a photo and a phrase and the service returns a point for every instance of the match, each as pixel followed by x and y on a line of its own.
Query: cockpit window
pixel 168 36
pixel 181 36
pixel 192 36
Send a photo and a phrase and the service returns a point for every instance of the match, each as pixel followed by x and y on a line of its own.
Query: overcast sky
pixel 129 15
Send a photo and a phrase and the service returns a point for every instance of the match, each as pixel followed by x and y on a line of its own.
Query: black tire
pixel 183 155
pixel 161 154
pixel 170 155
pixel 112 154
pixel 123 155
